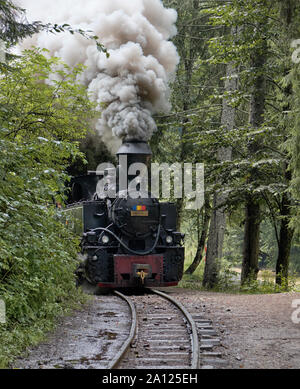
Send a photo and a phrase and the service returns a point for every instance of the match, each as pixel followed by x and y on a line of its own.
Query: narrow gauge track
pixel 163 335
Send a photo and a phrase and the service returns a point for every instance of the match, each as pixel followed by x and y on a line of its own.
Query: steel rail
pixel 116 360
pixel 195 340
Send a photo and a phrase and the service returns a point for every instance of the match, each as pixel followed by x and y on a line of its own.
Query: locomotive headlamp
pixel 169 239
pixel 105 239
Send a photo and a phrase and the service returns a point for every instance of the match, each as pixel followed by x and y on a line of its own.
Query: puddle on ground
pixel 110 335
pixel 109 314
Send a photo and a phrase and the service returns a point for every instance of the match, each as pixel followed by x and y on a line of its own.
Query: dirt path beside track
pixel 256 331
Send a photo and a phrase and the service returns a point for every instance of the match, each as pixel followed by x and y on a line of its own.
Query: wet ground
pixel 88 339
pixel 256 331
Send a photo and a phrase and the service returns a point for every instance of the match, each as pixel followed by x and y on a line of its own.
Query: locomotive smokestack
pixel 137 151
pixel 130 154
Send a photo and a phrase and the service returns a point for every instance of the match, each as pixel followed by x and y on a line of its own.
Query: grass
pixel 229 280
pixel 21 336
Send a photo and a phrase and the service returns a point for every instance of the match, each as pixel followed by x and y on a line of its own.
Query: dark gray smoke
pixel 132 84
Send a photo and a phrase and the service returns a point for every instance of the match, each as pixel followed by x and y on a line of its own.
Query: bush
pixel 39 122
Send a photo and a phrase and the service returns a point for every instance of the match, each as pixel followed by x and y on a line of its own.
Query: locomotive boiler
pixel 126 241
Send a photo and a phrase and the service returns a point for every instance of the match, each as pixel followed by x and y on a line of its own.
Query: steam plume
pixel 132 84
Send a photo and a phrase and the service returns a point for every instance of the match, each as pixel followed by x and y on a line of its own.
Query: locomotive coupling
pixel 142 271
pixel 142 274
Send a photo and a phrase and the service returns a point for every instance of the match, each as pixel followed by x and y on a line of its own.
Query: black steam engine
pixel 126 241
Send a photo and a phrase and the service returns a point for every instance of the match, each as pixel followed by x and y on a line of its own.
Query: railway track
pixel 163 335
pixel 145 331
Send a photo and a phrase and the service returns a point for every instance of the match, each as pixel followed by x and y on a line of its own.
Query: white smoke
pixel 132 84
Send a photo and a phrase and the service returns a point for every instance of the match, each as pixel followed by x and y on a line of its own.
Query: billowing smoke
pixel 132 84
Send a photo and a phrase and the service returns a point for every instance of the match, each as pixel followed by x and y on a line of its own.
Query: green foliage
pixel 229 281
pixel 247 25
pixel 14 27
pixel 266 284
pixel 293 146
pixel 295 255
pixel 212 35
pixel 41 122
pixel 33 107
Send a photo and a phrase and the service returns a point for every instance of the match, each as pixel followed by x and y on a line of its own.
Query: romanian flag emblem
pixel 139 210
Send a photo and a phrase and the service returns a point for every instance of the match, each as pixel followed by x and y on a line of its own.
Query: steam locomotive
pixel 125 241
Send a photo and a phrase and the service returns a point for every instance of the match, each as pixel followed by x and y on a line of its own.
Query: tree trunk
pixel 285 237
pixel 201 240
pixel 286 233
pixel 252 211
pixel 251 241
pixel 218 218
pixel 285 242
pixel 214 244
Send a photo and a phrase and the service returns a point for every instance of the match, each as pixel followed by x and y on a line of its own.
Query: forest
pixel 235 108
